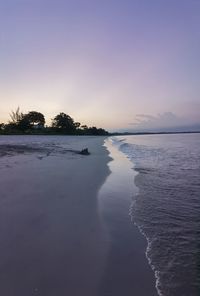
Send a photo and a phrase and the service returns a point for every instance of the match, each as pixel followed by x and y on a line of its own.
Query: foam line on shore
pixel 126 266
pixel 120 143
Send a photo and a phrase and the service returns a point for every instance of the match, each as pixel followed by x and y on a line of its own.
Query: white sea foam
pixel 125 148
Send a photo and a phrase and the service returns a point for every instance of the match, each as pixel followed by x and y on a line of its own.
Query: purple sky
pixel 115 64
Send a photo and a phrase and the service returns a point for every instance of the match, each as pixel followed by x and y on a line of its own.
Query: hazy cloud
pixel 161 121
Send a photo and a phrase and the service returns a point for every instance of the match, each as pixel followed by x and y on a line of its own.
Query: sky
pixel 120 65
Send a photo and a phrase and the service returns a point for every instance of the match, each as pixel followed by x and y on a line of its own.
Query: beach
pixel 60 235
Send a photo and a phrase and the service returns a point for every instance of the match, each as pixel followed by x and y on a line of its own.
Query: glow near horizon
pixel 102 62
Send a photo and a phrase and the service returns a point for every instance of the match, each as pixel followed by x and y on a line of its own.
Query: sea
pixel 166 206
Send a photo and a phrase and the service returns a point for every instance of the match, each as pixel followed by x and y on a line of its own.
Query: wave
pixel 166 208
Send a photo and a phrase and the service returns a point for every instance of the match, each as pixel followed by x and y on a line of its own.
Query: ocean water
pixel 166 208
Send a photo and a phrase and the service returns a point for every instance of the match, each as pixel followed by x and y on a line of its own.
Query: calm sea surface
pixel 167 207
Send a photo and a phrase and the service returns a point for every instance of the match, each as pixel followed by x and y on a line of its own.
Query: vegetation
pixel 33 122
pixel 63 122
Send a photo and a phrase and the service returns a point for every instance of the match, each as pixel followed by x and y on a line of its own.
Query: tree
pixel 64 123
pixel 84 127
pixel 27 121
pixel 34 118
pixel 96 131
pixel 16 116
pixel 77 124
pixel 24 124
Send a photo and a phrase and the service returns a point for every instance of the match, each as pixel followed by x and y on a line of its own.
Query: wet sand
pixel 127 270
pixel 59 234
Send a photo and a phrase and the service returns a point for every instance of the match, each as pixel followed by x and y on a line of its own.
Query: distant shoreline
pixel 152 133
pixel 109 134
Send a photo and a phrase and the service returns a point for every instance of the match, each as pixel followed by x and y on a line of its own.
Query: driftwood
pixel 84 151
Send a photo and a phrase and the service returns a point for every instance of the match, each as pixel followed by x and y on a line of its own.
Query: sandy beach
pixel 58 234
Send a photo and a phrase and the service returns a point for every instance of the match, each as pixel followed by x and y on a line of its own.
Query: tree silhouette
pixel 16 116
pixel 96 131
pixel 35 118
pixel 77 124
pixel 20 121
pixel 33 122
pixel 84 127
pixel 64 122
pixel 24 124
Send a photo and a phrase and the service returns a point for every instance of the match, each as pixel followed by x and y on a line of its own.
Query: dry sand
pixel 51 237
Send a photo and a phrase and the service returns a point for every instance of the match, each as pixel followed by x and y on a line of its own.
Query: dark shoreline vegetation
pixel 33 123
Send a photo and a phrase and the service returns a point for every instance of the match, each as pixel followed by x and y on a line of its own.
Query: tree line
pixel 33 122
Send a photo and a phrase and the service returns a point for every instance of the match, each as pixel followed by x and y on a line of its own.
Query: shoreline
pixel 128 270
